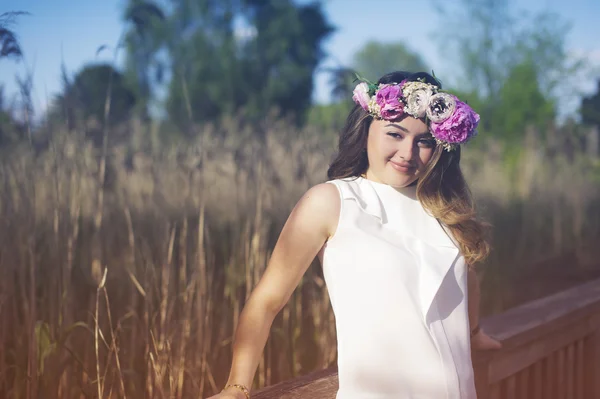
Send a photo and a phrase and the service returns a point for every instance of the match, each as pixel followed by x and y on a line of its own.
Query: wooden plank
pixel 481 371
pixel 592 365
pixel 321 384
pixel 579 366
pixel 482 385
pixel 524 383
pixel 495 391
pixel 511 386
pixel 506 363
pixel 537 380
pixel 550 390
pixel 570 377
pixel 560 375
pixel 535 317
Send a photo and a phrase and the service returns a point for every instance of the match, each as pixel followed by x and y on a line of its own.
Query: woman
pixel 397 235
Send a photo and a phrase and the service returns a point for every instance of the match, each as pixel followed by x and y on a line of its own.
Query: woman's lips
pixel 402 167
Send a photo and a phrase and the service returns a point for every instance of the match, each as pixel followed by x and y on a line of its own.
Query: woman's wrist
pixel 239 388
pixel 475 330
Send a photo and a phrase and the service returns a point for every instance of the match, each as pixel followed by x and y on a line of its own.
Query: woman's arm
pixel 479 339
pixel 474 297
pixel 312 221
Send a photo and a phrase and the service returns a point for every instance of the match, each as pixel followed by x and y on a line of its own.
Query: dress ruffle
pixel 432 248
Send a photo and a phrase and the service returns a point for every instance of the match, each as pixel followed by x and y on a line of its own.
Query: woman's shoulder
pixel 346 185
pixel 319 207
pixel 322 197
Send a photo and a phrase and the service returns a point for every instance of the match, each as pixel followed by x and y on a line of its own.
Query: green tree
pixel 480 42
pixel 590 108
pixel 343 81
pixel 235 57
pixel 285 54
pixel 371 61
pixel 521 103
pixel 143 40
pixel 329 118
pixel 375 59
pixel 86 95
pixel 97 89
pixel 507 53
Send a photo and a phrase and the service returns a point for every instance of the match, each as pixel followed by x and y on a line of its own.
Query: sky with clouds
pixel 71 32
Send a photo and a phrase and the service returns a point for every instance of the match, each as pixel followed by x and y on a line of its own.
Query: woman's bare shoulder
pixel 324 195
pixel 321 204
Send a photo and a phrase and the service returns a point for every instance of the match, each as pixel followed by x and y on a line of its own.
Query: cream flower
pixel 441 107
pixel 418 102
pixel 374 108
pixel 410 87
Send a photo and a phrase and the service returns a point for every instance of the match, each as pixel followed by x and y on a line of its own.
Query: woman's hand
pixel 481 341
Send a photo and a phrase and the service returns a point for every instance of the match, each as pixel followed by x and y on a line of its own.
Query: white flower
pixel 441 107
pixel 409 87
pixel 418 102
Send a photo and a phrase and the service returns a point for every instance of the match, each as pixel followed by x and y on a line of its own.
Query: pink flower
pixel 459 127
pixel 361 95
pixel 388 98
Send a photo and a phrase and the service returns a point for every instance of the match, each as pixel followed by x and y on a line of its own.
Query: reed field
pixel 123 271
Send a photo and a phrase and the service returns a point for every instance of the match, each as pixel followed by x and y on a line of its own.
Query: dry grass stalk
pixel 186 245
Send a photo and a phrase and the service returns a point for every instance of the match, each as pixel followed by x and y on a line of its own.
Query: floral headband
pixel 452 122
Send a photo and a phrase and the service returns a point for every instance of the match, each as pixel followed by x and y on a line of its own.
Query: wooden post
pixel 481 363
pixel 592 365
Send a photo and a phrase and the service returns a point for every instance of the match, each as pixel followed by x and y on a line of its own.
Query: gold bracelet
pixel 240 387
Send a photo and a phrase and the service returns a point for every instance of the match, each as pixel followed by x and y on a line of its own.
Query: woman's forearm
pixel 249 342
pixel 474 297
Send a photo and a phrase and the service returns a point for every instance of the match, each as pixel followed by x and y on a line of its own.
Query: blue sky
pixel 71 31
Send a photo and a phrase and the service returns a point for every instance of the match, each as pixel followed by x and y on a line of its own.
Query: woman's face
pixel 398 151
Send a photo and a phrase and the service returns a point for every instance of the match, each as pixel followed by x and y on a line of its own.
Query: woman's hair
pixel 442 190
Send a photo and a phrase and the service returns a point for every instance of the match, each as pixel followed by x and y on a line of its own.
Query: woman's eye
pixel 426 143
pixel 394 135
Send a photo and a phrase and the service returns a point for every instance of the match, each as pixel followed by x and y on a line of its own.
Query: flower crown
pixel 451 121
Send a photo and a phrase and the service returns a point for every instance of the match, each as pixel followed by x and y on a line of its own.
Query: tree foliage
pixel 521 102
pixel 371 61
pixel 590 108
pixel 85 95
pixel 231 57
pixel 513 63
pixel 375 59
pixel 142 41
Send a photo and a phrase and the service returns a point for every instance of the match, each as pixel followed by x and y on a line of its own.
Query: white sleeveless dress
pixel 398 288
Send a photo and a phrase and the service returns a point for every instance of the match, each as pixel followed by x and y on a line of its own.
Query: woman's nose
pixel 407 149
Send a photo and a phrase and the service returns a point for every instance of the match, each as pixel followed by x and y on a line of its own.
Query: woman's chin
pixel 401 179
pixel 402 182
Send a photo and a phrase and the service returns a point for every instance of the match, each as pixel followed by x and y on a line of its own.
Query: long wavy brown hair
pixel 442 190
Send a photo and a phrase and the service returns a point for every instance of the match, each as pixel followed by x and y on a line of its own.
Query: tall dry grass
pixel 144 304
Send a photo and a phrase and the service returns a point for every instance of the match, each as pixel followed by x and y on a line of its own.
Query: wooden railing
pixel 551 350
